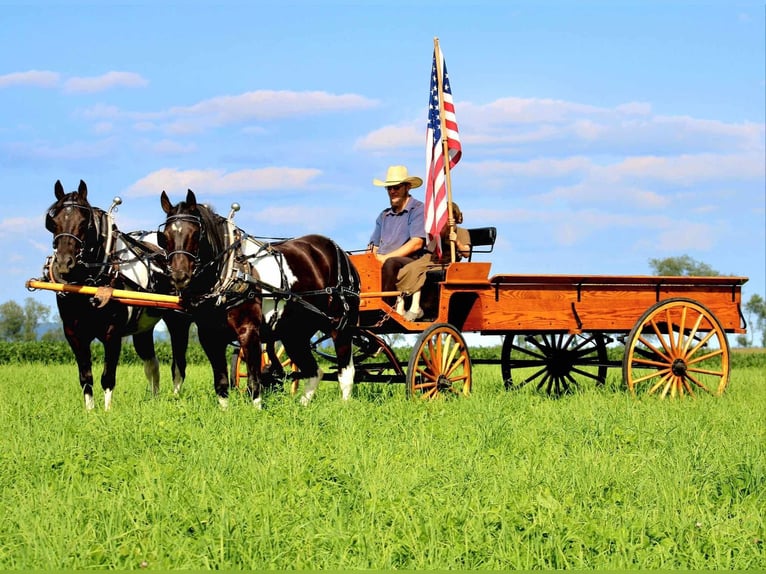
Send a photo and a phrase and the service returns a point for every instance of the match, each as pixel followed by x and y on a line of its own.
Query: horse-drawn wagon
pixel 557 330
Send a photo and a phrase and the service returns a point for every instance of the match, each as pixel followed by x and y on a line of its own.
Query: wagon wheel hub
pixel 443 383
pixel 679 368
pixel 560 363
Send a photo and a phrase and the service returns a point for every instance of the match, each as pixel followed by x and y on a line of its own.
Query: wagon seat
pixel 482 241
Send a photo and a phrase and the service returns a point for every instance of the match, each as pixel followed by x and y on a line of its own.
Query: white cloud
pixel 228 110
pixel 526 111
pixel 36 78
pixel 13 225
pixel 389 137
pixel 104 82
pixel 681 237
pixel 594 192
pixel 217 182
pixel 689 169
pixel 270 104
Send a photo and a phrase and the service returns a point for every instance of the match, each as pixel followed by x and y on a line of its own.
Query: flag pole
pixel 445 146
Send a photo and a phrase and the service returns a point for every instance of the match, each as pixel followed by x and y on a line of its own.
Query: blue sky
pixel 596 135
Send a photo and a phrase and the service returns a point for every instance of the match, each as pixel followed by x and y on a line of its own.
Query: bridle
pixel 183 218
pixel 81 247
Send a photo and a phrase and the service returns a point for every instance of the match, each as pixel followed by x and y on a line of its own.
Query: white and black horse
pixel 90 250
pixel 240 289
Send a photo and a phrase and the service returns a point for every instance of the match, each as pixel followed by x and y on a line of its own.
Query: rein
pixel 223 291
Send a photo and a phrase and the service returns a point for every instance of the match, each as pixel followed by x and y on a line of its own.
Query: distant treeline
pixel 58 352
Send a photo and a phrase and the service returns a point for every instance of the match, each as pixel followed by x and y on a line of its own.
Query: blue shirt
pixel 392 230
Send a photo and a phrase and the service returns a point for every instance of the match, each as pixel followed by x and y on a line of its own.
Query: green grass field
pixel 595 480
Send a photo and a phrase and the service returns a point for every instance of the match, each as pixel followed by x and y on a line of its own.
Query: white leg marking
pixel 258 403
pixel 152 372
pixel 346 380
pixel 223 402
pixel 310 388
pixel 107 399
pixel 90 404
pixel 178 381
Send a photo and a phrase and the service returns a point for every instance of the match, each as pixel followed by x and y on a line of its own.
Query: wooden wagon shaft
pixel 377 294
pixel 121 295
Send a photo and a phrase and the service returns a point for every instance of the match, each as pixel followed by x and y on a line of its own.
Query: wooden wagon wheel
pixel 555 362
pixel 238 367
pixel 439 363
pixel 677 348
pixel 374 360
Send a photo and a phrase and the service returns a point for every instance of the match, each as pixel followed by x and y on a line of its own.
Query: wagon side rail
pixel 606 303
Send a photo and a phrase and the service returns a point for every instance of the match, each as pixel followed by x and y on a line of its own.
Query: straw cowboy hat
pixel 397 174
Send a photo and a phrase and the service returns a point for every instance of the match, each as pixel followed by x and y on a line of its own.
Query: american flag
pixel 436 187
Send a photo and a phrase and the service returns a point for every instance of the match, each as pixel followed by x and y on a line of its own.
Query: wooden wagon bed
pixel 556 328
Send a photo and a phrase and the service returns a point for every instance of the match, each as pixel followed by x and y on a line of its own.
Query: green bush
pixel 58 352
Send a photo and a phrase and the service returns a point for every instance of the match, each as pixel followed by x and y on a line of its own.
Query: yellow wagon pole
pixel 122 295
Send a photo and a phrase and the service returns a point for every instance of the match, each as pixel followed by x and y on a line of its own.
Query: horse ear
pixel 83 190
pixel 191 199
pixel 58 189
pixel 165 202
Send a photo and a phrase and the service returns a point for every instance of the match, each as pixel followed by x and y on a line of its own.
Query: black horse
pixel 90 250
pixel 240 289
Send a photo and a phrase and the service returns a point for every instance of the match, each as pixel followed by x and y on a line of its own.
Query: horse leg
pixel 82 355
pixel 251 344
pixel 299 351
pixel 112 346
pixel 276 373
pixel 345 354
pixel 144 345
pixel 178 327
pixel 214 342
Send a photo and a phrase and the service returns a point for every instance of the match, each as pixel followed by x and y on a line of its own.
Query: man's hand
pixel 102 297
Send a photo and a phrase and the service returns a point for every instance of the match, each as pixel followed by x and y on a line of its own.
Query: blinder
pixel 162 239
pixel 91 232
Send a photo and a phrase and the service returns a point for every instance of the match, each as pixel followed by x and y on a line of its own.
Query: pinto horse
pixel 90 250
pixel 238 288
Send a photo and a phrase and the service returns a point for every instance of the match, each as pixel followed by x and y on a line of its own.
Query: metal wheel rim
pixel 440 364
pixel 560 361
pixel 678 348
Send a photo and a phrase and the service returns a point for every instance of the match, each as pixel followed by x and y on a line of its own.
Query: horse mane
pixel 214 227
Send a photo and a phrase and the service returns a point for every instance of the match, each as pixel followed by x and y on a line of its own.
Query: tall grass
pixel 499 480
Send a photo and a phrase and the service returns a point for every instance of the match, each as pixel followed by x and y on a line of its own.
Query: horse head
pixel 180 237
pixel 71 221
